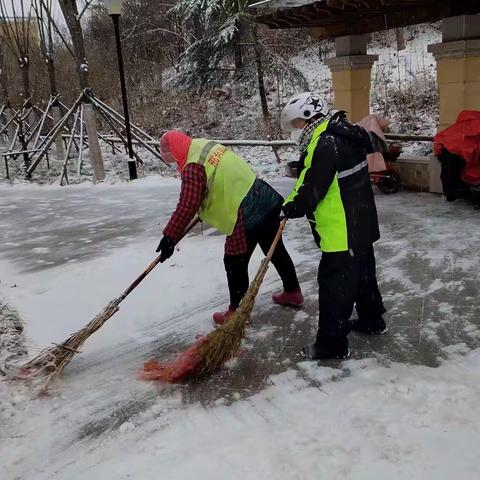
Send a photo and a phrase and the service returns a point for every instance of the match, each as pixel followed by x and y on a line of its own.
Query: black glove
pixel 289 211
pixel 166 247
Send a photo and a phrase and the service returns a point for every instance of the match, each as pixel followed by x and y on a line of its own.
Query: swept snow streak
pixel 398 422
pixel 384 414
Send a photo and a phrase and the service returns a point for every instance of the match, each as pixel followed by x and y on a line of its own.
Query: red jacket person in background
pixel 221 188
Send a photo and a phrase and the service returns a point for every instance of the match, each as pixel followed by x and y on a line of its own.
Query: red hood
pixel 174 145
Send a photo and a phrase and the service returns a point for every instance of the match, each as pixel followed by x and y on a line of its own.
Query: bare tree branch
pixel 70 12
pixel 158 29
pixel 84 9
pixel 43 10
pixel 54 25
pixel 16 34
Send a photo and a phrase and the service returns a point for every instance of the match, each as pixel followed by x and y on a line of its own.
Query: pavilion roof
pixel 334 18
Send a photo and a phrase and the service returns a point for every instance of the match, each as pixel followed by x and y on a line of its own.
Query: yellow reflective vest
pixel 229 179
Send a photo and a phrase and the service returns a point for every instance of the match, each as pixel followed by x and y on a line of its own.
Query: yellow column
pixel 459 87
pixel 458 68
pixel 351 75
pixel 352 91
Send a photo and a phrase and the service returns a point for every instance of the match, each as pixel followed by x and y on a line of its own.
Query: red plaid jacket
pixel 194 185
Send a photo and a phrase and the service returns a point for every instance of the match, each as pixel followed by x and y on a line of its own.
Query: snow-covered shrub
pixel 11 338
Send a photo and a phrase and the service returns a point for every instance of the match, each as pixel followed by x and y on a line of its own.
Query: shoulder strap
pixel 204 153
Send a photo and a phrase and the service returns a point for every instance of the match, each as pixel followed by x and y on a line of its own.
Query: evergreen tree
pixel 226 46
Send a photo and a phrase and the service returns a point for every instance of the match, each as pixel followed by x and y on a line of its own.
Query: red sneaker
pixel 291 299
pixel 221 317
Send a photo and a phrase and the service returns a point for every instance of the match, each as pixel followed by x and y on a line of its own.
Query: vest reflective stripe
pixel 204 155
pixel 229 179
pixel 351 171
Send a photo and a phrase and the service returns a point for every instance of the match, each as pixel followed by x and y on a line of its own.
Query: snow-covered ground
pixel 404 406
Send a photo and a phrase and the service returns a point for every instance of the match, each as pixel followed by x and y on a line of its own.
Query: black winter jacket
pixel 341 148
pixel 261 200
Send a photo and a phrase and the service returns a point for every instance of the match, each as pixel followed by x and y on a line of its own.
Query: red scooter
pixel 388 181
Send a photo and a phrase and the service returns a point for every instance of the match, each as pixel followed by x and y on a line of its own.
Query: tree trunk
pixel 94 151
pixel 4 87
pixel 70 12
pixel 22 138
pixel 25 67
pixel 59 146
pixel 260 74
pixel 32 119
pixel 52 76
pixel 237 45
pixel 3 79
pixel 400 34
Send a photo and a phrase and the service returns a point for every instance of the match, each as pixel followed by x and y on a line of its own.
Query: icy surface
pixel 405 406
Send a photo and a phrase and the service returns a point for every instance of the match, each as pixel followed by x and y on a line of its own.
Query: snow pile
pixel 315 71
pixel 264 162
pixel 12 339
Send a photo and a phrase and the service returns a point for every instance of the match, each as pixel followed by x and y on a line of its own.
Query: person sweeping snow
pixel 222 189
pixel 333 191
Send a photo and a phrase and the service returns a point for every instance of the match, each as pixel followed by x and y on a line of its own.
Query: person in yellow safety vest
pixel 333 191
pixel 222 189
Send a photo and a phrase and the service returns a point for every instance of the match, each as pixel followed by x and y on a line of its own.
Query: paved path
pixel 427 265
pixel 428 268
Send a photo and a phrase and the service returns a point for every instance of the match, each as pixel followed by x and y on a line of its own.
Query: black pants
pixel 236 266
pixel 345 279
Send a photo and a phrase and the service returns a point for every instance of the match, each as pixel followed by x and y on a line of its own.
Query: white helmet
pixel 304 105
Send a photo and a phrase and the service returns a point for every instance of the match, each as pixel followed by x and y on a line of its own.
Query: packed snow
pixel 405 405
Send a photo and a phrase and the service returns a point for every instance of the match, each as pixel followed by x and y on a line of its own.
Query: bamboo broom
pixel 51 362
pixel 210 352
pixel 223 343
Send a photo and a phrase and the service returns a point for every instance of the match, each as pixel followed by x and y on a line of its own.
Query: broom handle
pixel 192 224
pixel 277 238
pixel 135 284
pixel 262 270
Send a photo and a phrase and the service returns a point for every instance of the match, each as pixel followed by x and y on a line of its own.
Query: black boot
pixel 327 347
pixel 372 327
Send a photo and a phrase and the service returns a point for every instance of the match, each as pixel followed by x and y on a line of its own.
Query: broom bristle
pixel 52 361
pixel 176 370
pixel 223 343
pixel 207 354
pixel 214 350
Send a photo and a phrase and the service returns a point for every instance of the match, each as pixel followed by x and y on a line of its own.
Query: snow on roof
pixel 274 4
